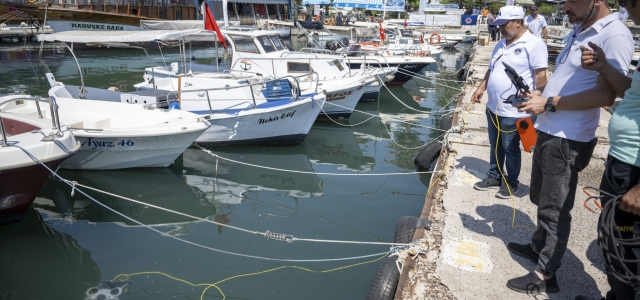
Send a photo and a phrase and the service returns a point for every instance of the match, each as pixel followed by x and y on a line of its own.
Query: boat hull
pixel 286 124
pixel 18 189
pixel 128 152
pixel 404 74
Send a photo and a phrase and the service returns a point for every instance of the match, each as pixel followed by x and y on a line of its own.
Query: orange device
pixel 527 132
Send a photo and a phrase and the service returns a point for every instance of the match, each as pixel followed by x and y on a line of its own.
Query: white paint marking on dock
pixel 464 177
pixel 468 255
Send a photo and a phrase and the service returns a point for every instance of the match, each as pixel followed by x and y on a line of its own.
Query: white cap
pixel 508 13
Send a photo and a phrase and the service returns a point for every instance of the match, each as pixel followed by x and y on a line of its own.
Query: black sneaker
pixel 504 193
pixel 523 250
pixel 486 184
pixel 532 284
pixel 581 297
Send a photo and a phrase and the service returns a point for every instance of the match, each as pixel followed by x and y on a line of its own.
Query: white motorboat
pixel 115 135
pixel 238 111
pixel 25 140
pixel 262 52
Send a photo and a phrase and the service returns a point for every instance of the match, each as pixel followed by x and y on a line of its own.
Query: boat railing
pixel 55 118
pixel 315 50
pixel 272 59
pixel 295 79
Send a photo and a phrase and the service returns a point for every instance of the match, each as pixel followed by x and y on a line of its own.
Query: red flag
pixel 211 25
pixel 405 23
pixel 422 39
pixel 381 32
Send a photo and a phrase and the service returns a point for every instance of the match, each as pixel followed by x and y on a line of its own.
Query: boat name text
pixel 89 142
pixel 338 96
pixel 96 26
pixel 276 118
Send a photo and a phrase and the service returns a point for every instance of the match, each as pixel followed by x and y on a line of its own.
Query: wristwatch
pixel 550 106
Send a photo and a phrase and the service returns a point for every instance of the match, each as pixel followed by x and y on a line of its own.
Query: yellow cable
pixel 496 123
pixel 123 277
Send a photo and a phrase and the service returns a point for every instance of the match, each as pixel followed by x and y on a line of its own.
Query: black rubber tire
pixel 427 156
pixel 405 229
pixel 446 122
pixel 384 283
pixel 461 74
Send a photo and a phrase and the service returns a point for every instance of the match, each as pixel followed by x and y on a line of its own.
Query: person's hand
pixel 477 96
pixel 535 104
pixel 545 40
pixel 631 201
pixel 593 60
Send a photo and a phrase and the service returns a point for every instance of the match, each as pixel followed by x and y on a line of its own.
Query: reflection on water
pixel 292 190
pixel 39 262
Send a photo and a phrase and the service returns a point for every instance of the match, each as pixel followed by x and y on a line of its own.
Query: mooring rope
pixel 267 234
pixel 307 172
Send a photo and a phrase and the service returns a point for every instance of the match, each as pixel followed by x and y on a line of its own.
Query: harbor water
pixel 325 189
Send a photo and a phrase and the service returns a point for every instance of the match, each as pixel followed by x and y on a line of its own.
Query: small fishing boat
pixel 27 140
pixel 115 135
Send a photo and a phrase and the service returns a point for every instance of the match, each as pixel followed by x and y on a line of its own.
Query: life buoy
pixel 326 21
pixel 431 38
pixel 31 1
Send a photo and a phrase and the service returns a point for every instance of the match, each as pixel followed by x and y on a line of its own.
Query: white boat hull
pixel 128 152
pixel 285 124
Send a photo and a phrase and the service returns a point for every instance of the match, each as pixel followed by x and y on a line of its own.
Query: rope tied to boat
pixel 73 187
pixel 307 172
pixel 414 249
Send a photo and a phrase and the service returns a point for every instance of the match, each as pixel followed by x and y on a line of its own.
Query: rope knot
pixel 73 187
pixel 416 248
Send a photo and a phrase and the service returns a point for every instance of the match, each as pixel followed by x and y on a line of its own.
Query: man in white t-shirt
pixel 536 23
pixel 527 55
pixel 568 111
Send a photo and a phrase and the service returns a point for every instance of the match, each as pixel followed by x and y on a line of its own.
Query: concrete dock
pixel 468 256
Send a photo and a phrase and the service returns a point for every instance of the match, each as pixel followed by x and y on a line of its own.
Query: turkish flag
pixel 381 32
pixel 405 23
pixel 211 25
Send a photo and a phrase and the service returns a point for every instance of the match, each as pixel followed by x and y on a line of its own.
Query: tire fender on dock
pixel 428 155
pixel 384 283
pixel 405 229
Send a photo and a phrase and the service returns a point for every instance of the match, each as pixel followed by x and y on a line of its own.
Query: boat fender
pixel 427 156
pixel 406 228
pixel 114 88
pixel 446 122
pixel 390 77
pixel 174 105
pixel 461 74
pixel 384 283
pixel 436 35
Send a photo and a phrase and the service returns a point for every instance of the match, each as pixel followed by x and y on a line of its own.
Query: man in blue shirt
pixel 622 174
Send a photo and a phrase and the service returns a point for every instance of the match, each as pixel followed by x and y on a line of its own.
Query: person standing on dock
pixel 527 54
pixel 568 111
pixel 622 173
pixel 536 23
pixel 492 29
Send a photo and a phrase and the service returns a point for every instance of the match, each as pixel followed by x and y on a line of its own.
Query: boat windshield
pixel 244 44
pixel 266 44
pixel 276 42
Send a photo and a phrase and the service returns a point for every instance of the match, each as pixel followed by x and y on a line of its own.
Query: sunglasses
pixel 622 3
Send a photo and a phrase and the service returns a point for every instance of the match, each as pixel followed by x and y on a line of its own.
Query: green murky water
pixel 67 244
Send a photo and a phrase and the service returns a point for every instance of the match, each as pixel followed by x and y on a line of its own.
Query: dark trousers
pixel 493 30
pixel 618 178
pixel 554 178
pixel 508 148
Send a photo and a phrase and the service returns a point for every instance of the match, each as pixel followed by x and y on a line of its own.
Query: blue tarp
pixel 391 5
pixel 469 20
